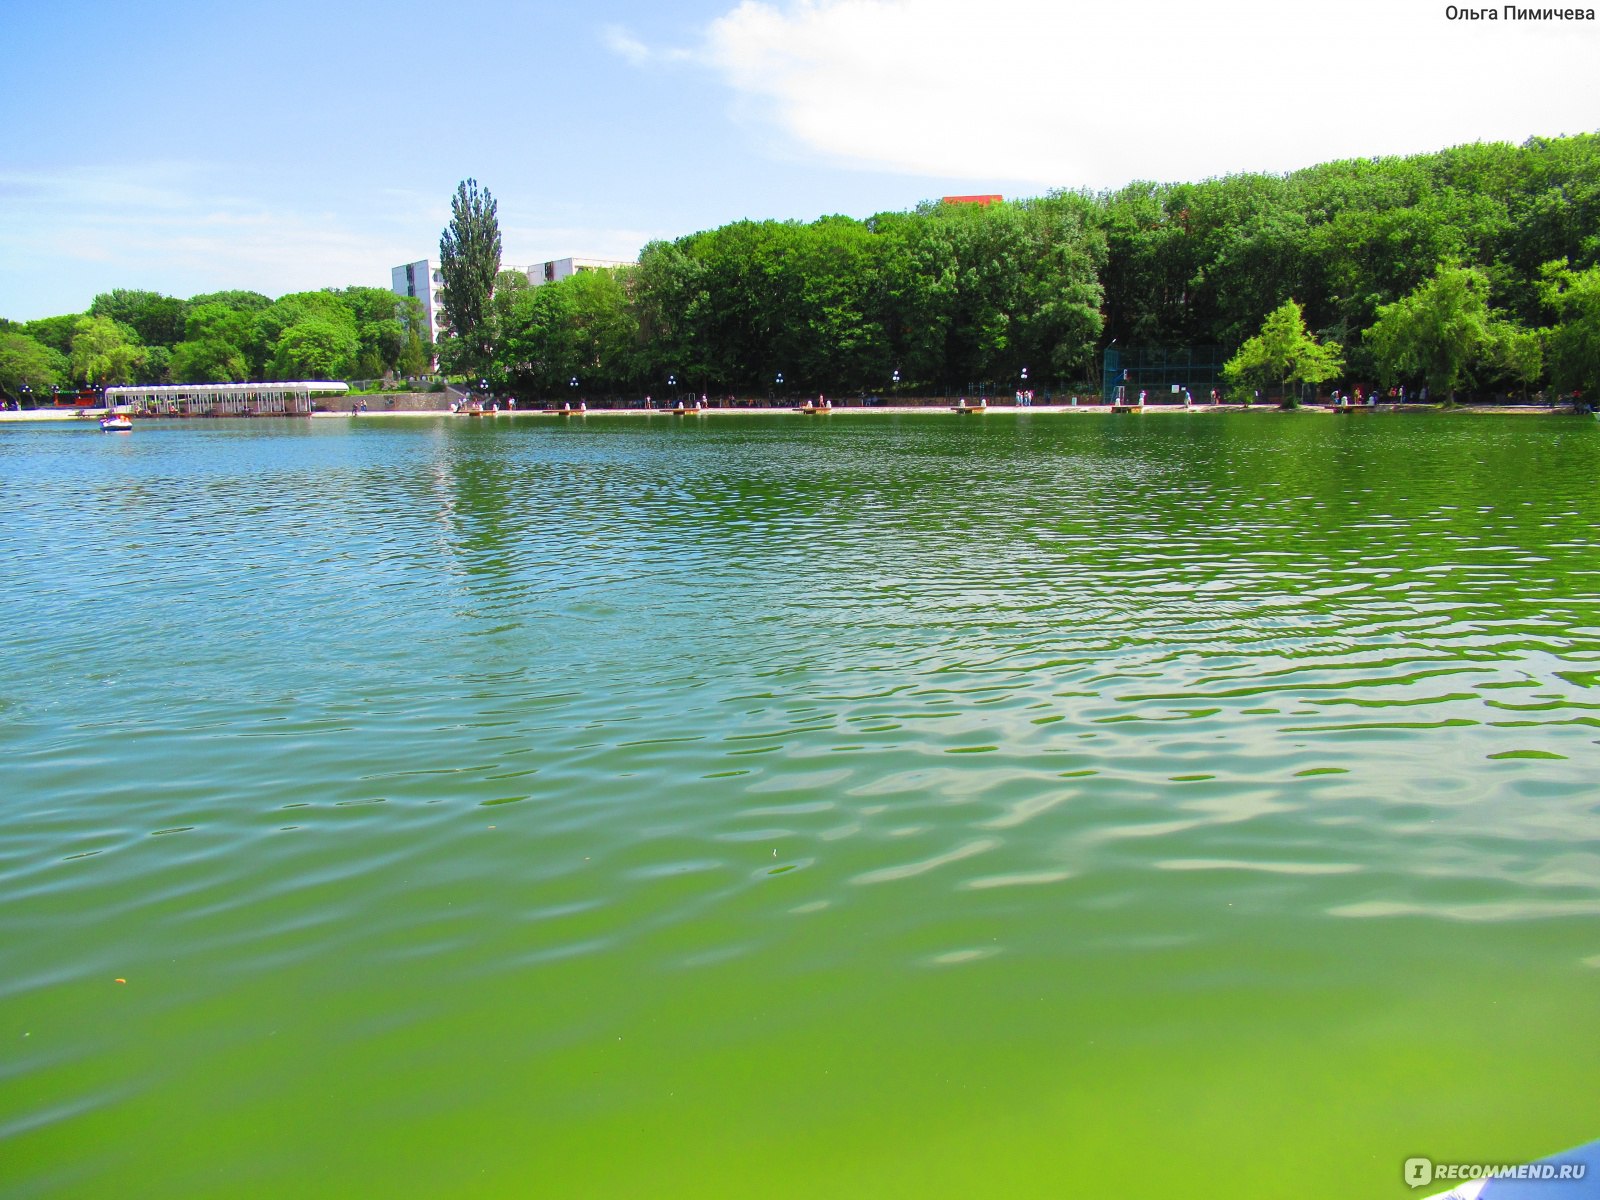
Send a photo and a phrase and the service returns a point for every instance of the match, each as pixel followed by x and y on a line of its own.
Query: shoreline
pixel 89 417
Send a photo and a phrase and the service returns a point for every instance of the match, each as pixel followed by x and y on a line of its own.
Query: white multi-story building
pixel 565 268
pixel 423 280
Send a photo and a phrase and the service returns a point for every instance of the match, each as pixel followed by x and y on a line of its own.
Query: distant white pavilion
pixel 222 399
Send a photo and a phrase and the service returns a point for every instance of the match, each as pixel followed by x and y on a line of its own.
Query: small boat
pixel 964 408
pixel 116 423
pixel 811 407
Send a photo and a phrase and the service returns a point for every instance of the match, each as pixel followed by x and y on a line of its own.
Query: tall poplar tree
pixel 469 260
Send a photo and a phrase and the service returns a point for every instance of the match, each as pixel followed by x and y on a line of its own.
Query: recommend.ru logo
pixel 1420 1171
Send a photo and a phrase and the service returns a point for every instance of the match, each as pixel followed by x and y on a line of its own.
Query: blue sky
pixel 188 147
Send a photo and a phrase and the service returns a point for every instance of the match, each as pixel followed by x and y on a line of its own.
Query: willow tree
pixel 1436 330
pixel 1284 351
pixel 26 362
pixel 469 260
pixel 105 352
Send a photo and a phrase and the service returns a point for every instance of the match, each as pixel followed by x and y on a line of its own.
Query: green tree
pixel 155 367
pixel 510 281
pixel 26 361
pixel 104 352
pixel 416 350
pixel 1151 260
pixel 325 311
pixel 380 318
pixel 416 355
pixel 232 317
pixel 469 260
pixel 603 332
pixel 1574 342
pixel 954 276
pixel 1518 354
pixel 534 353
pixel 157 319
pixel 238 300
pixel 670 299
pixel 209 360
pixel 213 349
pixel 271 322
pixel 315 347
pixel 219 322
pixel 1061 296
pixel 582 327
pixel 1284 351
pixel 1436 331
pixel 55 332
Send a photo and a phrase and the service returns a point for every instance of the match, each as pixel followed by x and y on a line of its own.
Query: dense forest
pixel 1475 269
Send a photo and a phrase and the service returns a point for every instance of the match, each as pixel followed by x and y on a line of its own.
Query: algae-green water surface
pixel 1025 806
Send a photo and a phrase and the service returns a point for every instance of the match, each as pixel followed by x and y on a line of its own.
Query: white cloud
pixel 1074 93
pixel 621 41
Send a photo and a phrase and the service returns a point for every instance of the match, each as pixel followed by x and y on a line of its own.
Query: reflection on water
pixel 886 805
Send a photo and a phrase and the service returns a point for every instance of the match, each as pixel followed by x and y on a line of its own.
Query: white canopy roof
pixel 315 386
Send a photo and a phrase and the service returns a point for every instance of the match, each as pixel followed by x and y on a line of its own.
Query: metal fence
pixel 1160 369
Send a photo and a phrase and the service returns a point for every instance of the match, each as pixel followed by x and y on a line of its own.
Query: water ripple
pixel 582 777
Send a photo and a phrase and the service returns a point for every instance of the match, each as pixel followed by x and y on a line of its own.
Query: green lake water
pixel 1025 806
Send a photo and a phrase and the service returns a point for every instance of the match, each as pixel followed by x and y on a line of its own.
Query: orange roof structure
pixel 971 199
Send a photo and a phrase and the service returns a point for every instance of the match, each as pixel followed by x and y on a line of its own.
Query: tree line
pixel 130 336
pixel 943 294
pixel 1472 270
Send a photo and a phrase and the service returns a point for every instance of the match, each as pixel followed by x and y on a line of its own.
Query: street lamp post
pixel 1027 400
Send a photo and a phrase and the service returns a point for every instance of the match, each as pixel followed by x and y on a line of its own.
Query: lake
pixel 1034 805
